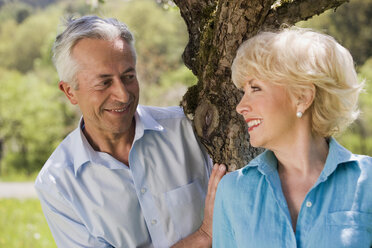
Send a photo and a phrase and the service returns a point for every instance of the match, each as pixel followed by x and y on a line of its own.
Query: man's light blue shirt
pixel 90 199
pixel 251 211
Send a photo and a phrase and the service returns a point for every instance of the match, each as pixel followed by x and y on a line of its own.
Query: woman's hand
pixel 202 238
pixel 218 171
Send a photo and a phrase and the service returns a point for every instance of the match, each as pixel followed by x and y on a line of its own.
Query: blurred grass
pixel 23 225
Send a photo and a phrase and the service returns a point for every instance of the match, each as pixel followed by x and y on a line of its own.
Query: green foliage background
pixel 34 114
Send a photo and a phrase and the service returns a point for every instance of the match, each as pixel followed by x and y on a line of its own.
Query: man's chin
pixel 120 127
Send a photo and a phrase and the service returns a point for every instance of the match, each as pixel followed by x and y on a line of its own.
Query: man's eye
pixel 126 78
pixel 104 84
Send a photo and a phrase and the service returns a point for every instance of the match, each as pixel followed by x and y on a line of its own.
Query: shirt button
pixel 153 222
pixel 143 190
pixel 308 204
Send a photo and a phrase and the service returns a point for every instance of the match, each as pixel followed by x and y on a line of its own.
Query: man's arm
pixel 66 228
pixel 203 236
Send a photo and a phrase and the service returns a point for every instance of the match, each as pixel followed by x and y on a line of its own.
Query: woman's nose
pixel 244 105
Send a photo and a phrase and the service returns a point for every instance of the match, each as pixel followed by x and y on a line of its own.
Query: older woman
pixel 306 190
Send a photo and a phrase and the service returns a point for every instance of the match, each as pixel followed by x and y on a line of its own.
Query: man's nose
pixel 120 92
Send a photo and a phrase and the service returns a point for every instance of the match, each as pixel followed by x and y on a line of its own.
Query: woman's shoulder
pixel 341 155
pixel 243 177
pixel 364 162
pixel 358 171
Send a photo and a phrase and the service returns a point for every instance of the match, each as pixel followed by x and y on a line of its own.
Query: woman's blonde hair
pixel 301 59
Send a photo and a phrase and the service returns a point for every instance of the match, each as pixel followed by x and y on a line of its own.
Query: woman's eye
pixel 255 88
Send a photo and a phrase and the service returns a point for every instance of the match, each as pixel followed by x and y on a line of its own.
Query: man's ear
pixel 69 91
pixel 305 99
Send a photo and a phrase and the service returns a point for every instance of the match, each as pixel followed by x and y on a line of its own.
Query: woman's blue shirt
pixel 251 210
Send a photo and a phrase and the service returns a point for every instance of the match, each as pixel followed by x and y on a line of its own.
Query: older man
pixel 129 175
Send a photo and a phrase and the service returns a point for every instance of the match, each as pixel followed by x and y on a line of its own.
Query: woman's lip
pixel 252 127
pixel 251 119
pixel 253 123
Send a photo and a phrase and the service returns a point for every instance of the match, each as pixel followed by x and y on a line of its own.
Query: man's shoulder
pixel 65 149
pixel 60 161
pixel 160 113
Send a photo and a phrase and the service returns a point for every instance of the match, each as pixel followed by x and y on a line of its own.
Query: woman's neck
pixel 305 156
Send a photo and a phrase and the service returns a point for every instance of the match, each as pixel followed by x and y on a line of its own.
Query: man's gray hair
pixel 85 27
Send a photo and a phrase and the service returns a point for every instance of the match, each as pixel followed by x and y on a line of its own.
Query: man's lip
pixel 118 110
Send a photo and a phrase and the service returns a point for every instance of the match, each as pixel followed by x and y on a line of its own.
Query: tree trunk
pixel 216 29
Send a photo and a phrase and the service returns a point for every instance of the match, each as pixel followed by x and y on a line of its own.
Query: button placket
pixel 143 190
pixel 146 199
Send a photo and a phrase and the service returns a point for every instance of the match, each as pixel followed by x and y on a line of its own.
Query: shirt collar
pixel 85 153
pixel 148 122
pixel 81 147
pixel 266 162
pixel 337 155
pixel 144 121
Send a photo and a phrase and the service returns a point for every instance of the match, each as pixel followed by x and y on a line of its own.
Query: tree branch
pixel 298 10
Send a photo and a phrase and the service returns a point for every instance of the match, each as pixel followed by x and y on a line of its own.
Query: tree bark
pixel 216 29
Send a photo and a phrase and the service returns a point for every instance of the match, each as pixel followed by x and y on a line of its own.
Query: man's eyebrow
pixel 130 69
pixel 104 75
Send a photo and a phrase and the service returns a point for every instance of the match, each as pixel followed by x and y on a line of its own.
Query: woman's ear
pixel 69 91
pixel 305 99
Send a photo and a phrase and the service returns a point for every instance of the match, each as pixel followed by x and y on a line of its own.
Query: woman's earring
pixel 299 114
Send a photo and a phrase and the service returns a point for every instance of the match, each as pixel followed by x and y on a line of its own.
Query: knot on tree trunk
pixel 206 119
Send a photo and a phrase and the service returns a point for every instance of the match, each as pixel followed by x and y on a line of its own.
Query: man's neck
pixel 117 145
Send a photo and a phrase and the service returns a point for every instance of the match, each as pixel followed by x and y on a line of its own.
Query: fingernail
pixel 215 166
pixel 222 167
